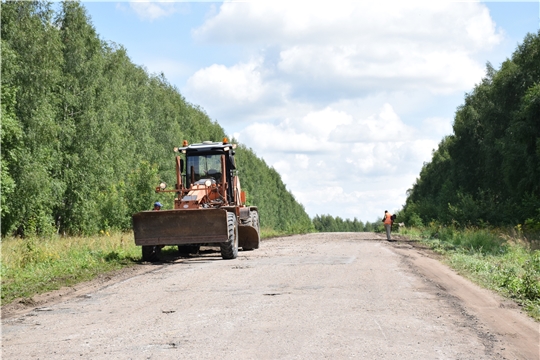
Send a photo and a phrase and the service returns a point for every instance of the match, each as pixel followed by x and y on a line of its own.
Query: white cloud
pixel 328 52
pixel 287 23
pixel 333 161
pixel 318 95
pixel 278 139
pixel 395 68
pixel 170 67
pixel 319 123
pixel 363 203
pixel 152 10
pixel 437 127
pixel 237 84
pixel 385 126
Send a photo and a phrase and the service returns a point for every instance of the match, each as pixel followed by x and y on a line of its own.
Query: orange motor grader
pixel 209 207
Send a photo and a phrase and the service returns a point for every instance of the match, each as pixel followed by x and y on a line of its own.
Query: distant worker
pixel 388 220
pixel 157 206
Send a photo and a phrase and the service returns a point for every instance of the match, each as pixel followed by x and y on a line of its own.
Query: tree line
pixel 87 135
pixel 328 223
pixel 488 170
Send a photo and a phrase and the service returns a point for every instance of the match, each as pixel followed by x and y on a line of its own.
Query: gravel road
pixel 316 296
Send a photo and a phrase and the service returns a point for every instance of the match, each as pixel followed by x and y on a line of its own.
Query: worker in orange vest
pixel 388 224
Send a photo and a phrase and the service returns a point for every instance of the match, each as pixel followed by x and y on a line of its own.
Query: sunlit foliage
pixel 487 171
pixel 87 134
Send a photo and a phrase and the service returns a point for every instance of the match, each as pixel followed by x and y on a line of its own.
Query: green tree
pixel 488 170
pixel 87 134
pixel 32 70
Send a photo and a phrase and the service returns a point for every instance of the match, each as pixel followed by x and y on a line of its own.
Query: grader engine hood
pixel 205 193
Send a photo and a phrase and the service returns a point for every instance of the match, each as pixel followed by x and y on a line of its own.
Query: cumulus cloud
pixel 385 126
pixel 240 83
pixel 307 134
pixel 152 10
pixel 395 68
pixel 437 127
pixel 331 139
pixel 434 23
pixel 234 91
pixel 333 160
pixel 328 52
pixel 316 93
pixel 171 67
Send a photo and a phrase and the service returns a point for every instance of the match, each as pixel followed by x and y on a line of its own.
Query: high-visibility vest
pixel 388 219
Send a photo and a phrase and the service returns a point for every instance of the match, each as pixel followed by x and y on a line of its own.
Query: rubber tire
pixel 186 250
pixel 253 221
pixel 248 221
pixel 229 249
pixel 151 253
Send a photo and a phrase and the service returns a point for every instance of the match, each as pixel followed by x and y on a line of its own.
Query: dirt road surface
pixel 317 296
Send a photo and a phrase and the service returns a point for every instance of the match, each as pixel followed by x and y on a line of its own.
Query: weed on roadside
pixel 36 265
pixel 491 258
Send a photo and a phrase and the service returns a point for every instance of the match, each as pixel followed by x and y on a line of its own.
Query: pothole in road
pixel 276 294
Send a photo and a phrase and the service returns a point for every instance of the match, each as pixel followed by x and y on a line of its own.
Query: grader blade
pixel 177 227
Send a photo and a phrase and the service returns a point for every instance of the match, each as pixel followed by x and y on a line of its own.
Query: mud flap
pixel 177 227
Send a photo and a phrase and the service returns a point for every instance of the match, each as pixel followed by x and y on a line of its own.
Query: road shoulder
pixel 517 333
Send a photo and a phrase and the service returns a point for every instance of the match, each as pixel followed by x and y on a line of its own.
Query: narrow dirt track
pixel 330 295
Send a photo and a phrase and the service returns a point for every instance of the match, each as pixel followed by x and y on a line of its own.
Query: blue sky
pixel 346 100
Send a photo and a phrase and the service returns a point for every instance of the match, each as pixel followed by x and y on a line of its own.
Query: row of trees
pixel 87 134
pixel 488 170
pixel 328 223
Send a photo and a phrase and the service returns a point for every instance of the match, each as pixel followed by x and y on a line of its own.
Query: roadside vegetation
pixel 35 265
pixel 506 261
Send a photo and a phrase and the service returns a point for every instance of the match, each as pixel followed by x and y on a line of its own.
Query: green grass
pixel 507 264
pixel 267 233
pixel 36 265
pixel 514 272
